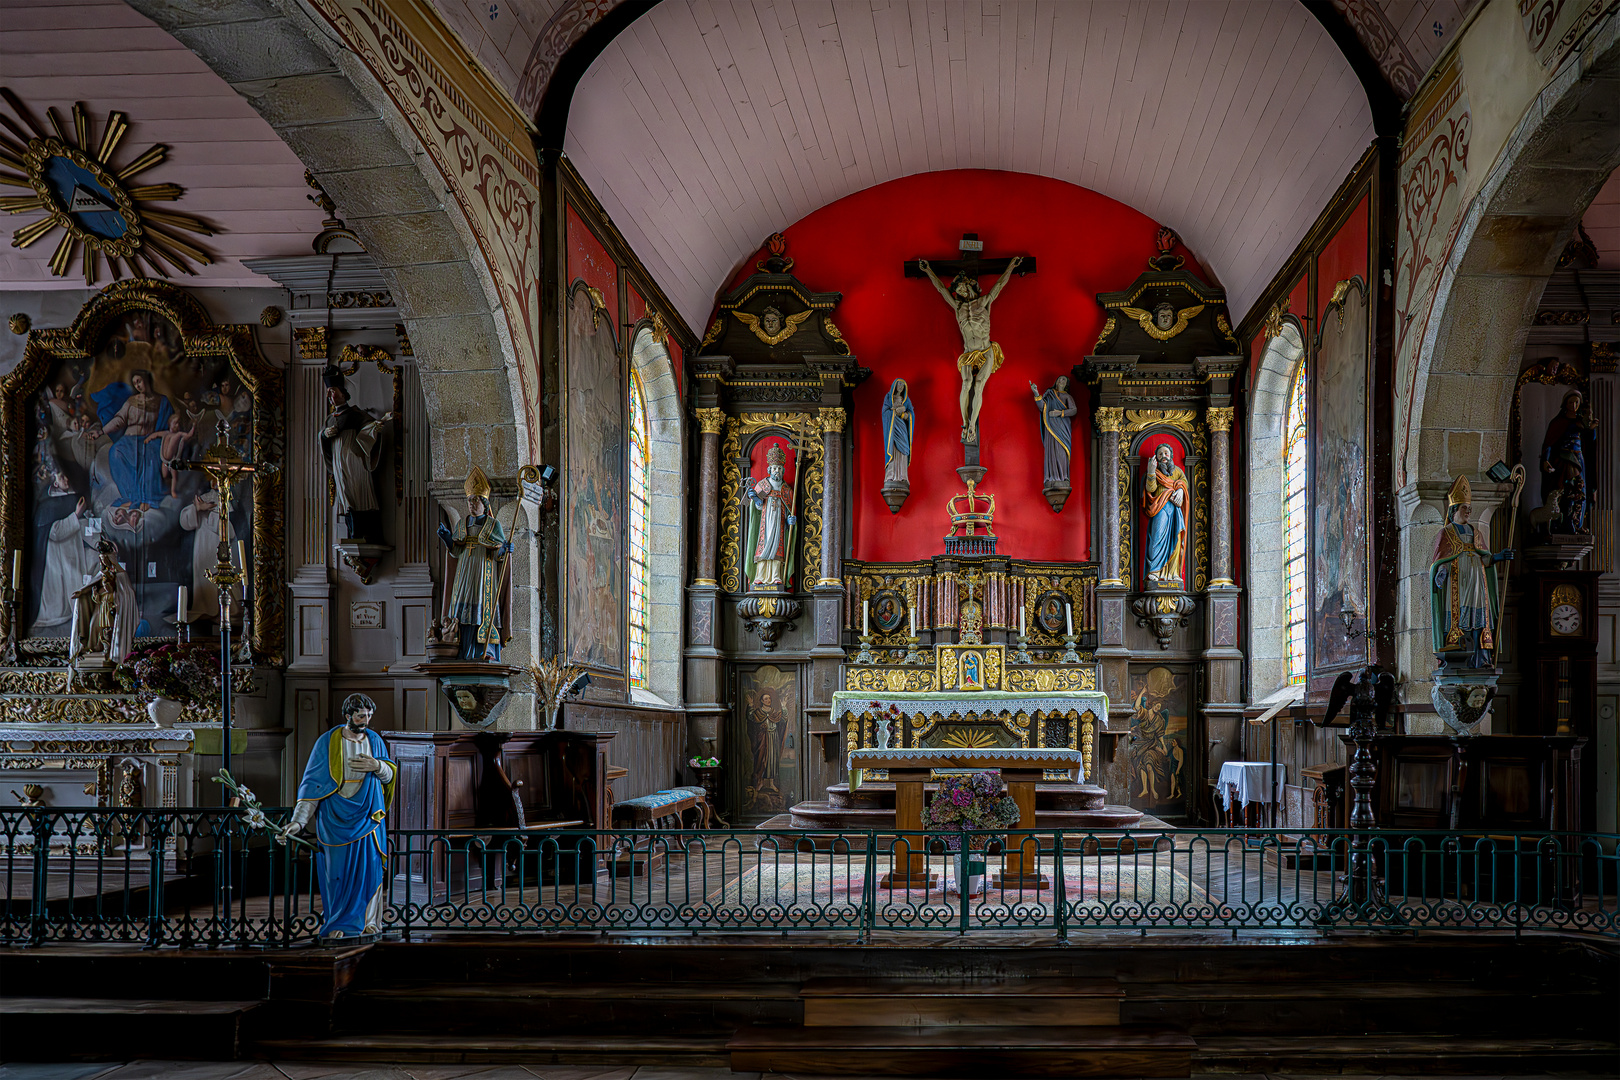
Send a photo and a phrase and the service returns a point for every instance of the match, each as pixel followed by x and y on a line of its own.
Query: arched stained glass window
pixel 639 440
pixel 1294 513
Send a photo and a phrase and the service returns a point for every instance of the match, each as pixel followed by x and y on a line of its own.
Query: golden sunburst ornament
pixel 83 193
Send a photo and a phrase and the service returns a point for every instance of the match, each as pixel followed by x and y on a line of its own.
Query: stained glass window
pixel 1294 512
pixel 639 436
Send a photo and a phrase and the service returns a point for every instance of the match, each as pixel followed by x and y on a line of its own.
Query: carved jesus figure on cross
pixel 980 356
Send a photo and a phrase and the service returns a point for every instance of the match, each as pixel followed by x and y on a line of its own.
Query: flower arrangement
pixel 553 680
pixel 254 814
pixel 704 762
pixel 974 801
pixel 885 719
pixel 185 673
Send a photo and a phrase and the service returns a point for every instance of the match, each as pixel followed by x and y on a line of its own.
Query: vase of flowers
pixel 966 809
pixel 171 677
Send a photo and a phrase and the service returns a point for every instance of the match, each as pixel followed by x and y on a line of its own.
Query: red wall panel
pixel 900 328
pixel 1344 256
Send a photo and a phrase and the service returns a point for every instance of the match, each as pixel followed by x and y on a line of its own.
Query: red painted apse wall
pixel 900 328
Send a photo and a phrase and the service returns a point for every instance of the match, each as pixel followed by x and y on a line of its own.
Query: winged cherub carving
pixel 771 326
pixel 1164 321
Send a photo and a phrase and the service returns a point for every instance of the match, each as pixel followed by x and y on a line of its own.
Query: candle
pixel 866 622
pixel 180 606
pixel 1068 618
pixel 1021 622
pixel 913 622
pixel 16 568
pixel 241 555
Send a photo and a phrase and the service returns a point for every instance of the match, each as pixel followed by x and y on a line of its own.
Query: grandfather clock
pixel 1560 657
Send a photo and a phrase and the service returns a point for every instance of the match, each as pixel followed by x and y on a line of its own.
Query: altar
pixel 1020 768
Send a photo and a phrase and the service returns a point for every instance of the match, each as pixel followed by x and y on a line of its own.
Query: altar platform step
pixel 108 1029
pixel 953 1051
pixel 1053 795
pixel 566 1007
pixel 1104 827
pixel 1374 1055
pixel 961 1002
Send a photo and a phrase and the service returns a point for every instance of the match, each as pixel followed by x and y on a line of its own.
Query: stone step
pixel 963 1051
pixel 567 1007
pixel 1409 1054
pixel 961 1003
pixel 1053 795
pixel 509 1048
pixel 107 1029
pixel 1351 1007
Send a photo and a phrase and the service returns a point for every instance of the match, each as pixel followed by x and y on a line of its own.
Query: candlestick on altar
pixel 865 655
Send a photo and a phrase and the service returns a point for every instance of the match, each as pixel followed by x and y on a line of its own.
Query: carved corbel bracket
pixel 362 558
pixel 1162 613
pixel 768 616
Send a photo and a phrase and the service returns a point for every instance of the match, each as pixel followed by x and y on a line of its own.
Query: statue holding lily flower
pixel 347 786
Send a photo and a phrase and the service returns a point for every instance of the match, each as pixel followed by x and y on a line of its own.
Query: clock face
pixel 1566 620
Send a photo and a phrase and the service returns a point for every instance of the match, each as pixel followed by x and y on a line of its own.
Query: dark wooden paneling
pixel 651 743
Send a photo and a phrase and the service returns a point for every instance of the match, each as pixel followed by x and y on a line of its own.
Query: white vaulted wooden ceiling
pixel 706 126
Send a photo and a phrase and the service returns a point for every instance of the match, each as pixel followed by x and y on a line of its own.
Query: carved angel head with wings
pixel 1164 321
pixel 771 326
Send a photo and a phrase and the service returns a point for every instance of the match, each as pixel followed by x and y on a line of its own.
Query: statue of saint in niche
pixel 1164 497
pixel 1565 455
pixel 351 440
pixel 980 356
pixel 1462 588
pixel 773 521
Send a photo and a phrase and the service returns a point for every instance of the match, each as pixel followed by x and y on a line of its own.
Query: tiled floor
pixel 191 1070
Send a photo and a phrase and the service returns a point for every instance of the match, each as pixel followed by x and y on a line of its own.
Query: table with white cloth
pixel 1241 784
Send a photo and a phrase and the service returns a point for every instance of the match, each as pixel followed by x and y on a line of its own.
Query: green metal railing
pixel 206 878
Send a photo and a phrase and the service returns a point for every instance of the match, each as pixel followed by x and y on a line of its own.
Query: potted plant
pixel 171 678
pixel 965 805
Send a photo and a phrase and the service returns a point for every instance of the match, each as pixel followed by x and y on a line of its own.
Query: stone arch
pixel 1565 146
pixel 335 116
pixel 650 360
pixel 1268 591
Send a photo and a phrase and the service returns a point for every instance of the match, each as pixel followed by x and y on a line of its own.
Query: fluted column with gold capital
pixel 831 422
pixel 1220 494
pixel 710 423
pixel 1109 421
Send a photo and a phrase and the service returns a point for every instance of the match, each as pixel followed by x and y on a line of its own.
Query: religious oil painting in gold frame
pixel 1157 781
pixel 596 402
pixel 769 699
pixel 100 418
pixel 1339 533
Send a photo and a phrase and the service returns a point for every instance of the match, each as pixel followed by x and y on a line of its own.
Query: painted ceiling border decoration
pixel 565 27
pixel 480 145
pixel 1383 43
pixel 1433 174
pixel 74 180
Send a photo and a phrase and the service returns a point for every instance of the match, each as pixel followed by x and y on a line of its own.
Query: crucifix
pixel 980 355
pixel 225 467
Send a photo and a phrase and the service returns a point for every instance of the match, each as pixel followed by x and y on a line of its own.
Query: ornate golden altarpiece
pixel 971 696
pixel 92 734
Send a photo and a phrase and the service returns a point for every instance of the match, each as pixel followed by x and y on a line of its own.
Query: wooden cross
pixel 972 263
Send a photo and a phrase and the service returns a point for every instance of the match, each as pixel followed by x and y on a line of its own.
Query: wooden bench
pixel 668 809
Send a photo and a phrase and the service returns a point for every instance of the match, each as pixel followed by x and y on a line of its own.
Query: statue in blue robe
pixel 347 786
